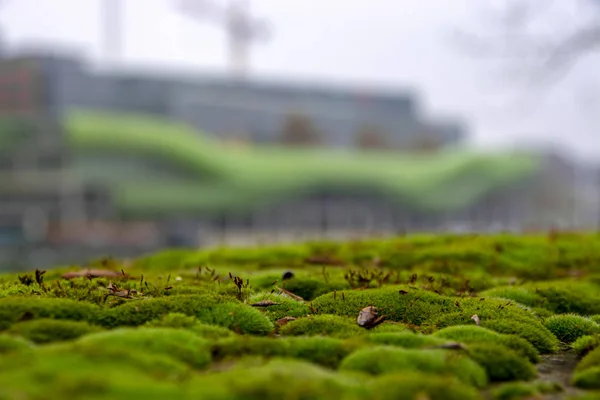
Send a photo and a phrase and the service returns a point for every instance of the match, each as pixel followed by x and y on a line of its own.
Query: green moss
pixel 564 297
pixel 9 344
pixel 322 325
pixel 585 344
pixel 415 307
pixel 286 307
pixel 518 294
pixel 389 326
pixel 591 359
pixel 277 379
pixel 379 360
pixel 13 309
pixel 524 390
pixel 180 344
pixel 541 313
pixel 408 340
pixel 211 332
pixel 536 334
pixel 182 321
pixel 587 379
pixel 569 327
pixel 209 308
pixel 416 385
pixel 595 318
pixel 478 334
pixel 46 330
pixel 90 372
pixel 310 288
pixel 501 363
pixel 173 320
pixel 324 351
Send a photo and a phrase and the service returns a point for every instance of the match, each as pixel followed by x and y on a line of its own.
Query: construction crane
pixel 240 27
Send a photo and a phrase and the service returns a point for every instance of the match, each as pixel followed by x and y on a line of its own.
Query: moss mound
pixel 585 344
pixel 525 390
pixel 277 379
pixel 209 308
pixel 181 345
pixel 323 325
pixel 415 385
pixel 284 307
pixel 46 330
pixel 407 340
pixel 9 344
pixel 13 309
pixel 379 360
pixel 325 351
pixel 569 327
pixel 501 363
pixel 587 379
pixel 477 334
pixel 535 333
pixel 90 372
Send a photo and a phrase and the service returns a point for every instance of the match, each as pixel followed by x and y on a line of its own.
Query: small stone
pixel 367 316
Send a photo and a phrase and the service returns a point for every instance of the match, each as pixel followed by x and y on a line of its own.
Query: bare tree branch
pixel 543 57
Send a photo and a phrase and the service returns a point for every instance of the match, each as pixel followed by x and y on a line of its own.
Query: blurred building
pixel 51 215
pixel 255 109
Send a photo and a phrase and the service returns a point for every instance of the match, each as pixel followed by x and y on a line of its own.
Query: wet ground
pixel 559 368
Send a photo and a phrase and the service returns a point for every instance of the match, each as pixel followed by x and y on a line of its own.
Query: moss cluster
pixel 458 317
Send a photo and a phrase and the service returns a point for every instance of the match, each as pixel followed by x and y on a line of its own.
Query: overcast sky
pixel 403 43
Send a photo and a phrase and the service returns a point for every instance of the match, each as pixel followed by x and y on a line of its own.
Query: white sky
pixel 404 43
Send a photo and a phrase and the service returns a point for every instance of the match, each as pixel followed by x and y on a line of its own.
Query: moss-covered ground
pixel 454 317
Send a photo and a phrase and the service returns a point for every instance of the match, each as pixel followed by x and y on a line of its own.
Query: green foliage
pixel 501 363
pixel 478 334
pixel 585 344
pixel 46 330
pixel 322 325
pixel 379 360
pixel 570 327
